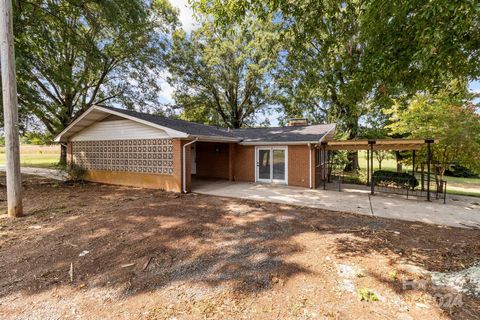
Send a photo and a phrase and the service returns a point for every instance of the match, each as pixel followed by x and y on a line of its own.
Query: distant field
pixel 36 156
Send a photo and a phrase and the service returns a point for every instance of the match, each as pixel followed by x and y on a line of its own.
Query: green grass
pixel 36 156
pixel 455 185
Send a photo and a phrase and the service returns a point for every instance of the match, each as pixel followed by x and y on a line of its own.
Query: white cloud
pixel 186 15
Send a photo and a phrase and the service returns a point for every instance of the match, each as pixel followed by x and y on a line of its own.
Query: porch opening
pixel 210 161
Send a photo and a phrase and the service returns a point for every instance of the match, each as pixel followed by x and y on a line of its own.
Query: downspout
pixel 310 162
pixel 184 162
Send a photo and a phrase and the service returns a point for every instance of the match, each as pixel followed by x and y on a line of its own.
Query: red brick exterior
pixel 298 166
pixel 212 160
pixel 244 163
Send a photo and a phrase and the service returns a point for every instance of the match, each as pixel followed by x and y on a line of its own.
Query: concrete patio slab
pixel 459 211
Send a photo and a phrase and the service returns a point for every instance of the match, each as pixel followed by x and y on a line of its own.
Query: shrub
pixel 396 179
pixel 76 172
pixel 457 170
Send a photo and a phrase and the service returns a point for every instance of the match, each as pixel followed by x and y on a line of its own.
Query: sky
pixel 475 86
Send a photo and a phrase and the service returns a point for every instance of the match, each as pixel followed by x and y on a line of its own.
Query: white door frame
pixel 271 149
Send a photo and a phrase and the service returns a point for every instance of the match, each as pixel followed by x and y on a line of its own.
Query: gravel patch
pixel 465 281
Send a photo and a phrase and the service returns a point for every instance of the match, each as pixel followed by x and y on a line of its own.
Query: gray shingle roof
pixel 284 134
pixel 311 133
pixel 191 128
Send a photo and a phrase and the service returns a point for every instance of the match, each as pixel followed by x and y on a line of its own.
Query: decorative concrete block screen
pixel 141 156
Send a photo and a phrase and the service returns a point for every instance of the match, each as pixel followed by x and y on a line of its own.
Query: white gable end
pixel 118 130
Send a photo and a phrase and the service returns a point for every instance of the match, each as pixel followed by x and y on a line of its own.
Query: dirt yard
pixel 143 254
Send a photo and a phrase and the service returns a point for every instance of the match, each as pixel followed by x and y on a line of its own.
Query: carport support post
pixel 368 167
pixel 372 184
pixel 429 158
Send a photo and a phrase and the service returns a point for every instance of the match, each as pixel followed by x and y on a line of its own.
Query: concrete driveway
pixel 459 211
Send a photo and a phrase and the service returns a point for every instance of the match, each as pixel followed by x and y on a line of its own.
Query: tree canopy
pixel 414 43
pixel 451 118
pixel 221 75
pixel 71 55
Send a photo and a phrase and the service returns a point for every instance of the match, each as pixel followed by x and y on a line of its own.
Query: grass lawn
pixel 455 185
pixel 91 251
pixel 36 156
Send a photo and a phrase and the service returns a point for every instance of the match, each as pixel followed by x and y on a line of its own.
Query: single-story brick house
pixel 124 147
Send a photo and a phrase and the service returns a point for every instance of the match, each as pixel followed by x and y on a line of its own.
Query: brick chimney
pixel 297 122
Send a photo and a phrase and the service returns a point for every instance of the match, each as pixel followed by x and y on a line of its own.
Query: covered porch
pixel 209 161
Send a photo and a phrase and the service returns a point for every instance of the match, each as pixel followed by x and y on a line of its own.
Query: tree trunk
pixel 379 164
pixel 352 165
pixel 399 164
pixel 63 155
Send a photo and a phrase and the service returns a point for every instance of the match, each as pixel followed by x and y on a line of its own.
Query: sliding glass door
pixel 272 164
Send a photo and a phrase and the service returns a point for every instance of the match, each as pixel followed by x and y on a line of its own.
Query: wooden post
pixel 10 111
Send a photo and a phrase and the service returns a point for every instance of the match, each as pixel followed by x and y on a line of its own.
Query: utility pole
pixel 10 111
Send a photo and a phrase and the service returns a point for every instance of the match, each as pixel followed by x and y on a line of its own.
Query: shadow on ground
pixel 144 240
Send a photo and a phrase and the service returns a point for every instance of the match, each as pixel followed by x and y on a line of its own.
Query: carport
pixel 372 145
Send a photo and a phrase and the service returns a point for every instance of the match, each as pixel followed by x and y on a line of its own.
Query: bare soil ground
pixel 148 254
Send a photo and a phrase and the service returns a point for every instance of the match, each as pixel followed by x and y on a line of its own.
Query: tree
pixel 323 73
pixel 421 44
pixel 453 119
pixel 381 155
pixel 221 74
pixel 417 44
pixel 71 55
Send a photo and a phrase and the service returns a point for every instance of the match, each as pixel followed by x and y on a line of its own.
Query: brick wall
pixel 244 163
pixel 298 166
pixel 212 160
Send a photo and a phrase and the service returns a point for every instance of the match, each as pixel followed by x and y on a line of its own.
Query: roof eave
pixel 269 143
pixel 215 138
pixel 171 132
